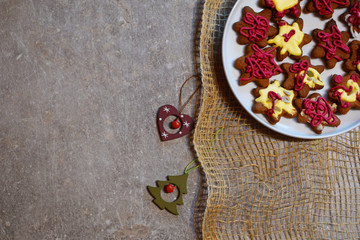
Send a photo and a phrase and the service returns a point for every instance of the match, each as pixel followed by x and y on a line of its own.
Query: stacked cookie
pixel 269 40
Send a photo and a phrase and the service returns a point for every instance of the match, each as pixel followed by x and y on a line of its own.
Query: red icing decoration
pixel 281 14
pixel 297 68
pixel 338 94
pixel 258 29
pixel 273 95
pixel 354 17
pixel 332 45
pixel 354 77
pixel 287 36
pixel 260 64
pixel 358 59
pixel 339 79
pixel 324 6
pixel 319 111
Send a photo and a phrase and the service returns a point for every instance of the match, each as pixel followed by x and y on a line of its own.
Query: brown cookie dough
pixel 257 65
pixel 346 91
pixel 254 27
pixel 280 8
pixel 316 111
pixel 290 40
pixel 274 101
pixel 352 19
pixel 302 76
pixel 325 8
pixel 353 63
pixel 328 47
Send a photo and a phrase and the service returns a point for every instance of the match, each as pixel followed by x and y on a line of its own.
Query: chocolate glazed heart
pixel 186 122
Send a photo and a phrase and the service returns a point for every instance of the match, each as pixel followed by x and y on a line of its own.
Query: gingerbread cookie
pixel 274 101
pixel 353 63
pixel 302 76
pixel 257 65
pixel 346 91
pixel 290 40
pixel 331 44
pixel 352 19
pixel 316 111
pixel 282 7
pixel 254 27
pixel 325 8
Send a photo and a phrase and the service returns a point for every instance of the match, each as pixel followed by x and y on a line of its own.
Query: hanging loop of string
pixel 192 95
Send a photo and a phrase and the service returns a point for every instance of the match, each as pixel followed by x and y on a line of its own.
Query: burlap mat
pixel 262 185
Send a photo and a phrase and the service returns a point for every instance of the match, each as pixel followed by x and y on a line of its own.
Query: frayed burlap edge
pixel 263 185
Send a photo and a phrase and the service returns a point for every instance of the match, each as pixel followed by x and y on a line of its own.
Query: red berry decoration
pixel 169 188
pixel 175 124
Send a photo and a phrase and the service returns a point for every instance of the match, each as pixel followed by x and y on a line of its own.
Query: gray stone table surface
pixel 81 83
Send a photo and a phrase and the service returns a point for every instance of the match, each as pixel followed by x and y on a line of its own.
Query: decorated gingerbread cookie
pixel 353 63
pixel 325 8
pixel 331 44
pixel 254 27
pixel 302 76
pixel 316 111
pixel 257 65
pixel 352 19
pixel 282 7
pixel 346 91
pixel 274 101
pixel 290 40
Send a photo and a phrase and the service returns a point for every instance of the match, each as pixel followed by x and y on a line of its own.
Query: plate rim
pixel 228 26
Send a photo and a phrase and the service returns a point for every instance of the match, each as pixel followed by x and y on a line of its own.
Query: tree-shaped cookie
pixel 302 76
pixel 346 91
pixel 290 40
pixel 331 44
pixel 274 101
pixel 353 63
pixel 282 7
pixel 325 8
pixel 257 65
pixel 316 111
pixel 254 27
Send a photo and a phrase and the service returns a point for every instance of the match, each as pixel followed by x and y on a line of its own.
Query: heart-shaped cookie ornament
pixel 186 123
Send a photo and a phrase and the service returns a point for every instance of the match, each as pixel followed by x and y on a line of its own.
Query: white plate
pixel 231 50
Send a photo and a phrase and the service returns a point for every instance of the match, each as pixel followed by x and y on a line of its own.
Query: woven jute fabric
pixel 263 185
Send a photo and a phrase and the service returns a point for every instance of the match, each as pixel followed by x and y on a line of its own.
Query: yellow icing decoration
pixel 282 5
pixel 292 45
pixel 358 66
pixel 350 97
pixel 280 105
pixel 313 79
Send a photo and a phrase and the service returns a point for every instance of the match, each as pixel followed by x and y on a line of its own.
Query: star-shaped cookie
pixel 331 44
pixel 302 76
pixel 274 101
pixel 254 27
pixel 316 111
pixel 346 91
